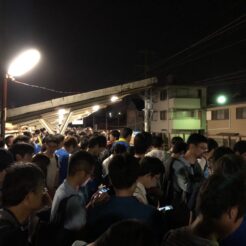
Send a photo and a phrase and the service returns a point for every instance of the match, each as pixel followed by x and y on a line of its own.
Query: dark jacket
pixel 11 231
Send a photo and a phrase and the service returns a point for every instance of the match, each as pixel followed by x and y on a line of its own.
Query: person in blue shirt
pixel 70 145
pixel 123 173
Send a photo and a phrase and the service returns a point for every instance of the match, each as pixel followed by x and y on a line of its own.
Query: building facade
pixel 227 124
pixel 178 110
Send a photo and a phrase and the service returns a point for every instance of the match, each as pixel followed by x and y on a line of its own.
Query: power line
pixel 44 88
pixel 223 76
pixel 185 61
pixel 232 25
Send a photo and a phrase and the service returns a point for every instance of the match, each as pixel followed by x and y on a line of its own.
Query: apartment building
pixel 227 124
pixel 178 110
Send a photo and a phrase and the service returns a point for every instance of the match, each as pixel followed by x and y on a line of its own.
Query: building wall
pixel 184 110
pixel 231 125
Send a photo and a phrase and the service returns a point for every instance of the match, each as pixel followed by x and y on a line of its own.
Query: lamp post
pixel 19 66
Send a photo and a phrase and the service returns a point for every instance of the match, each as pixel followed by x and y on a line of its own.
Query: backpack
pixel 167 184
pixel 53 233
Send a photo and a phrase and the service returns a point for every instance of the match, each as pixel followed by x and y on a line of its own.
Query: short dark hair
pixel 119 148
pixel 127 232
pixel 151 165
pixel 219 193
pixel 180 147
pixel 240 147
pixel 230 164
pixel 42 161
pixel 123 171
pixel 102 140
pixel 221 151
pixel 22 149
pixel 20 179
pixel 84 143
pixel 80 160
pixel 142 142
pixel 125 132
pixel 176 139
pixel 212 144
pixel 70 141
pixel 21 138
pixel 6 159
pixel 60 138
pixel 115 133
pixel 93 141
pixel 51 139
pixel 196 138
pixel 28 134
pixel 157 141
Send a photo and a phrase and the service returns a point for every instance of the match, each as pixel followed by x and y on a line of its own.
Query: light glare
pixel 24 62
pixel 95 108
pixel 114 98
pixel 221 99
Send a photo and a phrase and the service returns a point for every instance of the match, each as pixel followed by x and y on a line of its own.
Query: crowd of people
pixel 105 188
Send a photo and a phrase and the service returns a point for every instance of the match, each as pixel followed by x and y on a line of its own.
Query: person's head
pixel 119 149
pixel 22 152
pixel 6 159
pixel 221 151
pixel 179 148
pixel 102 140
pixel 197 145
pixel 212 146
pixel 217 154
pixel 175 140
pixel 123 172
pixel 142 143
pixel 28 134
pixel 126 133
pixel 240 148
pixel 60 139
pixel 81 166
pixel 222 202
pixel 9 141
pixel 151 169
pixel 157 142
pixel 97 144
pixel 22 139
pixel 229 165
pixel 24 186
pixel 84 142
pixel 70 144
pixel 114 135
pixel 127 232
pixel 42 161
pixel 51 143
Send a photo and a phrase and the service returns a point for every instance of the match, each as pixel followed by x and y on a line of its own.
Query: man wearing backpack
pixel 68 208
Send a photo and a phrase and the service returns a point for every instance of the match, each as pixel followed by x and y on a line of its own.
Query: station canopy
pixel 56 114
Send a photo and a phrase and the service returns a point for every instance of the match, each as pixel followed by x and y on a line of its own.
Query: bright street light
pixel 24 62
pixel 95 108
pixel 114 98
pixel 221 99
pixel 20 65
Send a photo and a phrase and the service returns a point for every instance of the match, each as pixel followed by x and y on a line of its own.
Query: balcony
pixel 185 103
pixel 185 124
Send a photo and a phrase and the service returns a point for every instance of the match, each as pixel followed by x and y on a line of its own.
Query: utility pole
pixel 148 103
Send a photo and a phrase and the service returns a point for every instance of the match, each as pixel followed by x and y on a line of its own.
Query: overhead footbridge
pixel 56 114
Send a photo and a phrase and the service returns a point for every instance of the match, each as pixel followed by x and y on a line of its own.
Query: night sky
pixel 87 45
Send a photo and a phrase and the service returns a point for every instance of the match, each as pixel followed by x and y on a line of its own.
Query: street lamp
pixel 221 99
pixel 23 63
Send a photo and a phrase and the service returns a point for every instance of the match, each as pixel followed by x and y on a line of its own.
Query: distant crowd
pixel 113 188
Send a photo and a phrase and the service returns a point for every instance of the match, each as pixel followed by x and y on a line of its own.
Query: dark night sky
pixel 87 44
